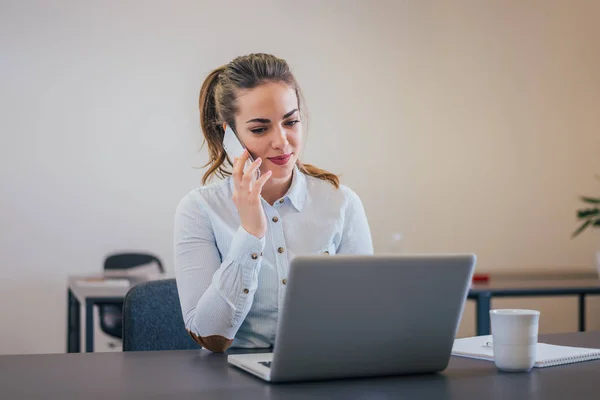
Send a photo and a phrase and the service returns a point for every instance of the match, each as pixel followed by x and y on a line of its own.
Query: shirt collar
pixel 297 191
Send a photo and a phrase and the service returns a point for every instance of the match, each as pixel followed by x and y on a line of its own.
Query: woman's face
pixel 268 123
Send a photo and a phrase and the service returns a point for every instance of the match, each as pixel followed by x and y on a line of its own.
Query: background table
pixel 482 293
pixel 199 374
pixel 79 294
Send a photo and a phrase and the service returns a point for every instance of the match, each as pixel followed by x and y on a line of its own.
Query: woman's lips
pixel 280 160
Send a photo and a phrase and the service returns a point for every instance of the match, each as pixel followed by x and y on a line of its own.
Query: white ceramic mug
pixel 515 338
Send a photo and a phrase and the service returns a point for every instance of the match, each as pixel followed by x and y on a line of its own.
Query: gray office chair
pixel 111 315
pixel 152 318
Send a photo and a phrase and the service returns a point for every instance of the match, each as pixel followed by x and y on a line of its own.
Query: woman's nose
pixel 280 138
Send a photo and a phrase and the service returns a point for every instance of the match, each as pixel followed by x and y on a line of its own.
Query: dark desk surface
pixel 559 286
pixel 202 375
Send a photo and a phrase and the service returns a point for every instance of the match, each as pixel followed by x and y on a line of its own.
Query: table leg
pixel 73 323
pixel 89 326
pixel 582 312
pixel 483 313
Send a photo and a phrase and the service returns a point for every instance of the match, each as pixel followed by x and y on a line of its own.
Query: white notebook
pixel 548 355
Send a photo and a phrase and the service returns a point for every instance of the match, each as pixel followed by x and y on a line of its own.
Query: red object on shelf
pixel 481 277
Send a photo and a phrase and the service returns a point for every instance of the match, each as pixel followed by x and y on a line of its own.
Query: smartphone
pixel 234 148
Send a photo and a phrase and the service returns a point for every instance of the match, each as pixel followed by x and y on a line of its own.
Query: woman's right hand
pixel 247 195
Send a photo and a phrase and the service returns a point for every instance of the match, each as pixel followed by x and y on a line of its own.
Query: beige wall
pixel 463 126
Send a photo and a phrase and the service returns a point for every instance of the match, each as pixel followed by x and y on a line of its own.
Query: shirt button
pixel 254 256
pixel 275 219
pixel 284 281
pixel 281 201
pixel 280 250
pixel 246 291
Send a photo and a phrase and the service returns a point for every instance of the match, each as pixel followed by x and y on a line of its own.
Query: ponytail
pixel 319 173
pixel 212 126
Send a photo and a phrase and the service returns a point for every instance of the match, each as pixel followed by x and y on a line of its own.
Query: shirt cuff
pixel 245 248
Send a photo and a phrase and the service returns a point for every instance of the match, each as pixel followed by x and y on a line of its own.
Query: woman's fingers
pixel 260 182
pixel 246 195
pixel 250 173
pixel 238 168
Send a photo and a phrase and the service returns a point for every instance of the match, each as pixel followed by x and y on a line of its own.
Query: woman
pixel 234 239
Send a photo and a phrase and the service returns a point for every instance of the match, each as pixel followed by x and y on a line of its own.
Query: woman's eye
pixel 258 130
pixel 292 123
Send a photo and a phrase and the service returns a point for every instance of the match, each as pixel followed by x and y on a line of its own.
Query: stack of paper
pixel 548 355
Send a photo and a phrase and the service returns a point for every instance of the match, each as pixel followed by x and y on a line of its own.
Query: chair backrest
pixel 152 318
pixel 131 260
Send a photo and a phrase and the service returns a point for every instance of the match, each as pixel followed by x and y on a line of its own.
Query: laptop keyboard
pixel 265 363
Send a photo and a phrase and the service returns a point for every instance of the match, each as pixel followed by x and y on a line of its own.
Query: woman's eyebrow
pixel 268 121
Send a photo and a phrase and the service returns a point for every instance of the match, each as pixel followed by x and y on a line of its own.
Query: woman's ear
pixel 224 125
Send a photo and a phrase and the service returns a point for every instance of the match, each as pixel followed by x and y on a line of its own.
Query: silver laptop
pixel 365 316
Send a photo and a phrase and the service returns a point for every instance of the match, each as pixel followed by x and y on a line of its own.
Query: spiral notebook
pixel 548 355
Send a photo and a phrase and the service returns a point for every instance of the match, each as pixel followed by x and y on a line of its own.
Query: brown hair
pixel 217 105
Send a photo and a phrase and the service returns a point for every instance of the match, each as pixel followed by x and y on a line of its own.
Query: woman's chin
pixel 281 172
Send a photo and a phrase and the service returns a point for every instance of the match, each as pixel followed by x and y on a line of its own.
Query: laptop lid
pixel 358 316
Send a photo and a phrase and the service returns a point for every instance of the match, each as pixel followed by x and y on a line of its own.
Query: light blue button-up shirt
pixel 231 283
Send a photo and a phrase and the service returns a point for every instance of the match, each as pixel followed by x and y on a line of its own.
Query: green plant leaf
pixel 581 228
pixel 590 200
pixel 588 212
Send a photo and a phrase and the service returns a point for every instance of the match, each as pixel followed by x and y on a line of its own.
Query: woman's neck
pixel 275 189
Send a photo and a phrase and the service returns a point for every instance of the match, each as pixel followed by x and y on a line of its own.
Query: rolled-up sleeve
pixel 215 294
